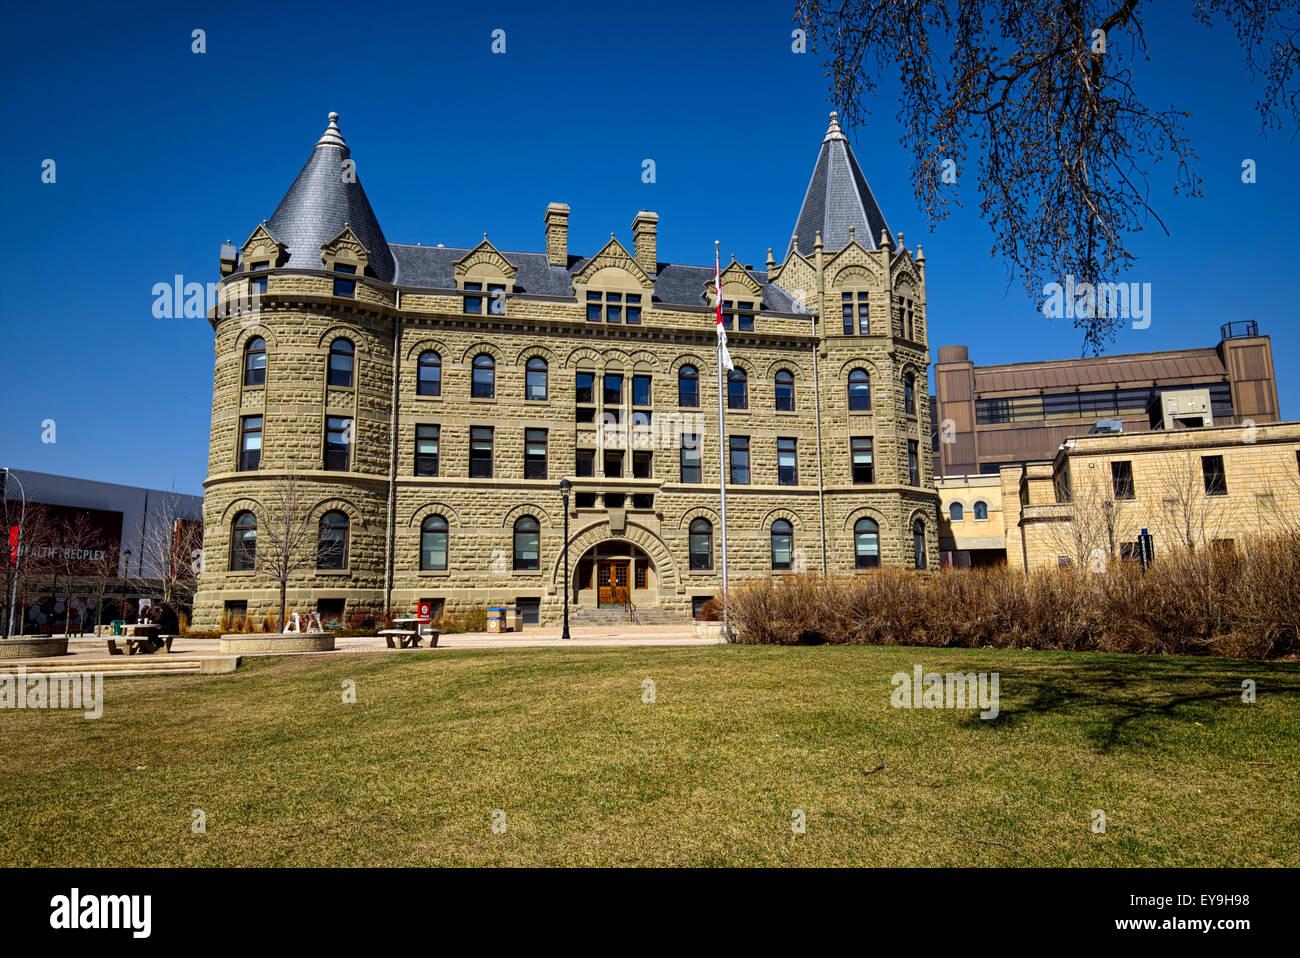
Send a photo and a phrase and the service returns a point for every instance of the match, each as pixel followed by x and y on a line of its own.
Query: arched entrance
pixel 614 573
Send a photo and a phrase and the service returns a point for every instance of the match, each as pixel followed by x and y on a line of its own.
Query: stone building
pixel 422 404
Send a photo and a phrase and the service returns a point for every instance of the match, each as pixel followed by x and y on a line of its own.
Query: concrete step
pixel 142 665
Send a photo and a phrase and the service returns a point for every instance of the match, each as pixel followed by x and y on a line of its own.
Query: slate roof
pixel 320 202
pixel 838 197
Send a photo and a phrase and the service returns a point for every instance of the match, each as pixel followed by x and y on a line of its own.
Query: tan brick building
pixel 427 400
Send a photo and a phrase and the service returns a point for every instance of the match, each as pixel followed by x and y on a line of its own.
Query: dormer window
pixel 476 302
pixel 258 283
pixel 345 287
pixel 855 312
pixel 739 313
pixel 611 307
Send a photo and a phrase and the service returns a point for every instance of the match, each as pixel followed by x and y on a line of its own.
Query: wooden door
pixel 612 582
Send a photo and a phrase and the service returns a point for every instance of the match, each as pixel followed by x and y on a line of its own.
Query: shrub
pixel 1212 602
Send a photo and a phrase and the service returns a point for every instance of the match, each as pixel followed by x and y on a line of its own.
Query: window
pixel 1216 481
pixel 907 317
pixel 609 307
pixel 426 450
pixel 640 390
pixel 739 312
pixel 345 287
pixel 1121 479
pixel 859 390
pixel 861 456
pixel 530 609
pixel 701 544
pixel 250 443
pixel 613 464
pixel 981 511
pixel 480 452
pixel 690 458
pixel 740 460
pixel 527 536
pixel 534 453
pixel 584 500
pixel 613 389
pixel 236 611
pixel 737 389
pixel 641 465
pixel 787 462
pixel 698 602
pixel 918 544
pixel 255 362
pixel 909 394
pixel 614 500
pixel 474 299
pixel 332 545
pixel 340 368
pixel 855 312
pixel 484 377
pixel 535 379
pixel 584 462
pixel 243 543
pixel 785 390
pixel 866 543
pixel 640 579
pixel 688 387
pixel 583 387
pixel 913 463
pixel 433 544
pixel 782 544
pixel 258 283
pixel 429 376
pixel 956 513
pixel 338 437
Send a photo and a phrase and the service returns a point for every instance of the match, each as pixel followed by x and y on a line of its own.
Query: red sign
pixel 424 612
pixel 13 544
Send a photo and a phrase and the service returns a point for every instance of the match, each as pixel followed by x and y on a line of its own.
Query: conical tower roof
pixel 838 197
pixel 326 196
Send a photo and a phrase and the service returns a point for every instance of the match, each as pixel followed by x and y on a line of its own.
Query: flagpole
pixel 722 443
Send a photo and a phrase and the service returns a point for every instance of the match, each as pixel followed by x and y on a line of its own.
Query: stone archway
pixel 633 543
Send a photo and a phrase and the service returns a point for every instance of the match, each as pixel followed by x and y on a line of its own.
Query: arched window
pixel 909 394
pixel 688 387
pixel 737 389
pixel 527 536
pixel 430 374
pixel 535 379
pixel 701 544
pixel 866 544
pixel 433 544
pixel 782 544
pixel 255 362
pixel 243 543
pixel 981 511
pixel 955 512
pixel 785 390
pixel 485 377
pixel 332 546
pixel 341 356
pixel 859 389
pixel 918 544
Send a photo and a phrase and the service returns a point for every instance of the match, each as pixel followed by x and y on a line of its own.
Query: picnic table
pixel 409 638
pixel 140 637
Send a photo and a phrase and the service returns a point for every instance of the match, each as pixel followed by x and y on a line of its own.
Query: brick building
pixel 423 403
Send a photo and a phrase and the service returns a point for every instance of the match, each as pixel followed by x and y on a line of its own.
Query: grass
pixel 587 774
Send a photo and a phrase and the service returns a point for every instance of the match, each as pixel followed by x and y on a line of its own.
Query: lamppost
pixel 17 554
pixel 565 486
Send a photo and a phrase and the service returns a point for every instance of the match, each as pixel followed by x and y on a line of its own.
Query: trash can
pixel 514 621
pixel 496 619
pixel 117 626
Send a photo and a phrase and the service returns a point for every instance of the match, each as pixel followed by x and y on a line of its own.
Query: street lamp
pixel 565 486
pixel 17 554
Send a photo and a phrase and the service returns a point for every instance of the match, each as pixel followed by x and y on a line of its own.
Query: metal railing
pixel 1239 329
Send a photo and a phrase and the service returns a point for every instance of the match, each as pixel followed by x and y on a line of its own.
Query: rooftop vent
pixel 1104 427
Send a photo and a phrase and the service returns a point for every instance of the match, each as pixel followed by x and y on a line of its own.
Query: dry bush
pixel 1213 602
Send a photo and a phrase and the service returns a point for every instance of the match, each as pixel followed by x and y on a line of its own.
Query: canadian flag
pixel 717 293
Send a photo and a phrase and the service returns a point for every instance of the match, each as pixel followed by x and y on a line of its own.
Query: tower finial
pixel 833 132
pixel 332 136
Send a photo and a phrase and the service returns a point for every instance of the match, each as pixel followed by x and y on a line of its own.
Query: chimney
pixel 557 234
pixel 645 244
pixel 229 258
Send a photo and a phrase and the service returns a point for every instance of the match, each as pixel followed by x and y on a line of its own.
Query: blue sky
pixel 162 154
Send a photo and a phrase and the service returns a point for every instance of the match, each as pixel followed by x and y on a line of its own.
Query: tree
pixel 1042 92
pixel 34 558
pixel 1189 516
pixel 78 546
pixel 286 535
pixel 1093 518
pixel 170 554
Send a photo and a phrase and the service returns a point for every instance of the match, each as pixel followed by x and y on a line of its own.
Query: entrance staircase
pixel 611 618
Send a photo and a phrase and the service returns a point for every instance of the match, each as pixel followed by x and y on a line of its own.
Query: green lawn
pixel 586 773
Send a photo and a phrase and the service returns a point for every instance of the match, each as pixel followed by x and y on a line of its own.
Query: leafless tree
pixel 78 545
pixel 1189 516
pixel 1093 520
pixel 33 561
pixel 171 555
pixel 1043 94
pixel 286 534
